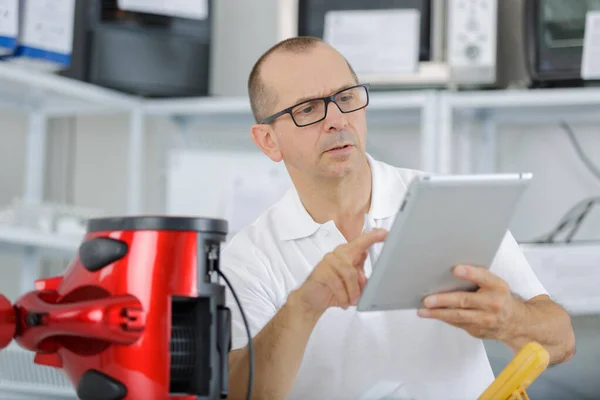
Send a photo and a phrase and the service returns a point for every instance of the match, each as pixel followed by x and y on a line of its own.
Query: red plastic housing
pixel 115 320
pixel 8 322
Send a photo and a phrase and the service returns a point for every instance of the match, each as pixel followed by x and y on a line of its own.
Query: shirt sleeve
pixel 248 275
pixel 511 265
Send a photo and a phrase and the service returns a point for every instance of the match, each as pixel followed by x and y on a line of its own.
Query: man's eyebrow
pixel 303 99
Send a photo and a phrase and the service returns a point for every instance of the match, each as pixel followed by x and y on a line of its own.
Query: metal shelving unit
pixel 493 108
pixel 42 96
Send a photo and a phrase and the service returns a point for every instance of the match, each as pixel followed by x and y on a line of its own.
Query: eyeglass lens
pixel 314 110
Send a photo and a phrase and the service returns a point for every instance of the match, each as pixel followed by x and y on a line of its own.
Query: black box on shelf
pixel 141 53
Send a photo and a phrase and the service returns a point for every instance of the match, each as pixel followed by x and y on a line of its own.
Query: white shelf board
pixel 17 238
pixel 226 106
pixel 25 88
pixel 196 106
pixel 534 106
pixel 521 98
pixel 399 100
pixel 569 273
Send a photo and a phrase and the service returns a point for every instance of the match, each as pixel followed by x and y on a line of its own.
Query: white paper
pixel 590 62
pixel 255 189
pixel 376 41
pixel 9 19
pixel 237 186
pixel 48 25
pixel 195 9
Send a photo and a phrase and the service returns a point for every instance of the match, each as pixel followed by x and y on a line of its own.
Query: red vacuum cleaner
pixel 138 314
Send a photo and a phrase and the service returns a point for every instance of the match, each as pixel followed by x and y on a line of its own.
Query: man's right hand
pixel 339 279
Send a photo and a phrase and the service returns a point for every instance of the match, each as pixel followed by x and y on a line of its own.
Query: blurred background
pixel 121 107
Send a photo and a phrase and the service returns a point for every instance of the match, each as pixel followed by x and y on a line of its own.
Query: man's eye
pixel 307 110
pixel 346 98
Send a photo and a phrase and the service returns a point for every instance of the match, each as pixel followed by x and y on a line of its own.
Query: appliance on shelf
pixel 148 53
pixel 457 41
pixel 555 32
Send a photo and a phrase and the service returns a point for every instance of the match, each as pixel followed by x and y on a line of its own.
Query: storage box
pixel 155 53
pixel 45 34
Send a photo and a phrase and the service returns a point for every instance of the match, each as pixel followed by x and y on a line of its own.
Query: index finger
pixel 361 243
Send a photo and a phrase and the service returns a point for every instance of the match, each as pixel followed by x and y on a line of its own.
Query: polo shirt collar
pixel 292 221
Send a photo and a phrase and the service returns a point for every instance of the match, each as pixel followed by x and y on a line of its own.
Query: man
pixel 300 267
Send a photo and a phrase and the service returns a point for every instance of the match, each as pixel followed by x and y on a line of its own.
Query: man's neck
pixel 345 200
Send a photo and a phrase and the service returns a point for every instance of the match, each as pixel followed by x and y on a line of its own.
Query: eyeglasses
pixel 315 110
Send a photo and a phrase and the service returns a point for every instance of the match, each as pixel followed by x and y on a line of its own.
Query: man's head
pixel 287 75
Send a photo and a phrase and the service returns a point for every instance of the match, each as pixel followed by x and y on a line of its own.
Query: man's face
pixel 314 150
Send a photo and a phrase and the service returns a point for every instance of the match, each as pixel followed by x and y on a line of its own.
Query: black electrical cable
pixel 575 216
pixel 587 204
pixel 584 158
pixel 250 344
pixel 579 220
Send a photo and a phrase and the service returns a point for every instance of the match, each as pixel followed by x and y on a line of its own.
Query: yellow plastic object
pixel 523 369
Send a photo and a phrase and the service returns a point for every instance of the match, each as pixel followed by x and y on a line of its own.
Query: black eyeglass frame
pixel 326 99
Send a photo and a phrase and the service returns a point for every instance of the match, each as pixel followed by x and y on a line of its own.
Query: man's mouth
pixel 345 146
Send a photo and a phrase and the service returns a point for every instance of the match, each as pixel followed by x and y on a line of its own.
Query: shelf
pixel 569 273
pixel 538 98
pixel 21 238
pixel 197 106
pixel 21 378
pixel 534 105
pixel 27 89
pixel 227 106
pixel 400 100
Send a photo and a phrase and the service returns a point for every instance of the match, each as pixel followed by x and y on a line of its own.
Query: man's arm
pixel 542 320
pixel 337 281
pixel 278 351
pixel 493 312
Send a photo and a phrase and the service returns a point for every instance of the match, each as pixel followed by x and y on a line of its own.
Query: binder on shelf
pixel 45 40
pixel 9 26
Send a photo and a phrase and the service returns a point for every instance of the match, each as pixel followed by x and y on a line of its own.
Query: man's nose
pixel 335 120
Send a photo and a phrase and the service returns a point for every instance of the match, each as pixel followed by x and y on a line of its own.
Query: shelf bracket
pixel 136 159
pixel 444 135
pixel 35 160
pixel 429 129
pixel 35 157
pixel 488 154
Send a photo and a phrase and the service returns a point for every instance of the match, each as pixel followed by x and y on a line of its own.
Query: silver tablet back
pixel 444 221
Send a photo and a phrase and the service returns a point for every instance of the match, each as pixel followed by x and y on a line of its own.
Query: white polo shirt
pixel 353 355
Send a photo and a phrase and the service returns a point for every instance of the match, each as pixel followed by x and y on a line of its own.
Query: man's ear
pixel 264 138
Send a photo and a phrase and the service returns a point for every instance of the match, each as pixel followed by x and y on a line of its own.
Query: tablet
pixel 444 220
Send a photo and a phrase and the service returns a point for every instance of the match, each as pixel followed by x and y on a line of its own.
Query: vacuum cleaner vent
pixel 182 345
pixel 191 343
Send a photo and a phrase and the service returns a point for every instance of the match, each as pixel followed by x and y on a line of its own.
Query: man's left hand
pixel 487 313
